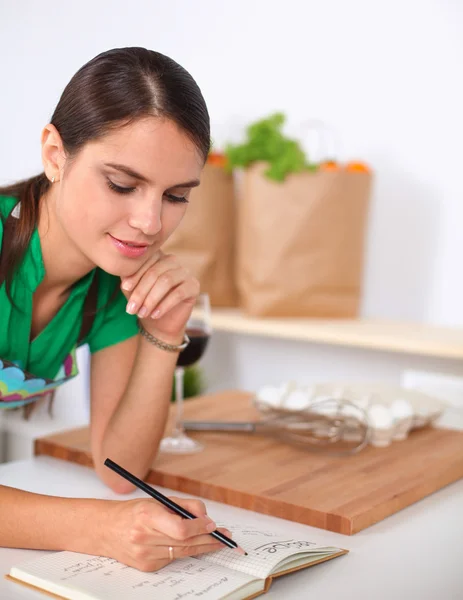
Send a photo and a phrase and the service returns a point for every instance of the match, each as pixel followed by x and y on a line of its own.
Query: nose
pixel 146 216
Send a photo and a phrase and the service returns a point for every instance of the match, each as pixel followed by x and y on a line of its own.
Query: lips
pixel 137 245
pixel 129 248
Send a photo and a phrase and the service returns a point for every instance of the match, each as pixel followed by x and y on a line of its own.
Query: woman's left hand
pixel 162 293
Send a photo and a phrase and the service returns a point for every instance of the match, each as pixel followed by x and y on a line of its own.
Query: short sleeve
pixel 112 323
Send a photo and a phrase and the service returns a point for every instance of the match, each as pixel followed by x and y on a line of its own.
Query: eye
pixel 176 199
pixel 118 188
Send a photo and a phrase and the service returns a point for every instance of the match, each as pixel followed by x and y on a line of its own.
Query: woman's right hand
pixel 139 532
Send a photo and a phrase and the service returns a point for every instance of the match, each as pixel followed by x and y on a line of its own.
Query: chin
pixel 119 268
pixel 113 263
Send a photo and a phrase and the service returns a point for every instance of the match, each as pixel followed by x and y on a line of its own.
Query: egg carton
pixel 390 412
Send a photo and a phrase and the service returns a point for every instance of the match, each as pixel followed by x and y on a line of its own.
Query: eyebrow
pixel 131 173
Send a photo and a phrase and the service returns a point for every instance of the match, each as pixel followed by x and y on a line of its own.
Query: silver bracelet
pixel 163 345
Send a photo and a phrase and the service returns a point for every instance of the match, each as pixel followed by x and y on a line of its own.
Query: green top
pixel 44 355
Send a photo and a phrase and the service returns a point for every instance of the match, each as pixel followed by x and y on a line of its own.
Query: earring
pixel 53 179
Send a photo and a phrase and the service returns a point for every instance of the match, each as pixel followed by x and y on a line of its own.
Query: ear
pixel 53 155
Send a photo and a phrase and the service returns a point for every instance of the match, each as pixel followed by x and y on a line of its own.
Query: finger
pixel 177 528
pixel 153 559
pixel 197 540
pixel 225 531
pixel 149 543
pixel 146 282
pixel 203 540
pixel 128 283
pixel 156 521
pixel 194 550
pixel 165 282
pixel 196 507
pixel 185 292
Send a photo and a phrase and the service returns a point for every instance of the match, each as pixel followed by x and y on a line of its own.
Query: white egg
pixel 380 416
pixel 297 400
pixel 269 395
pixel 401 409
pixel 286 388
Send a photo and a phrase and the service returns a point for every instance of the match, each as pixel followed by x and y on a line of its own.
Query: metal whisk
pixel 330 425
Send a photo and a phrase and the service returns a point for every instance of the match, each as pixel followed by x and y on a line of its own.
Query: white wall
pixel 384 74
pixel 235 361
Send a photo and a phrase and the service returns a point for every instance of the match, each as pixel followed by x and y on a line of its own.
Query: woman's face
pixel 123 195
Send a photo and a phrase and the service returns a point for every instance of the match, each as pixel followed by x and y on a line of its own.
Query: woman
pixel 81 262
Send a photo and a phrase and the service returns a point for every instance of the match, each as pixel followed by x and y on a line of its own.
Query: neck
pixel 64 263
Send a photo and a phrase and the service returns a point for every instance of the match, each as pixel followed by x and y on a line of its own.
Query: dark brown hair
pixel 113 89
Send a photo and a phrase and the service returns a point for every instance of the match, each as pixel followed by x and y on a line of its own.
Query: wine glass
pixel 199 330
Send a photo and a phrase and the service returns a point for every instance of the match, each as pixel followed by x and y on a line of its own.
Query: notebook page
pixel 265 550
pixel 98 578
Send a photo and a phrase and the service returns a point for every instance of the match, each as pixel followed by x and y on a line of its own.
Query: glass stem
pixel 178 427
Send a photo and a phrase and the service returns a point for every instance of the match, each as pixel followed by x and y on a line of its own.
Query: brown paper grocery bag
pixel 300 243
pixel 204 240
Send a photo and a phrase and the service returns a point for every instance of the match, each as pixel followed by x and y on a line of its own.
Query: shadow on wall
pixel 402 245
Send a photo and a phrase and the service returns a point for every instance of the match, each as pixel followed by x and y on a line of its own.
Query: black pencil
pixel 176 508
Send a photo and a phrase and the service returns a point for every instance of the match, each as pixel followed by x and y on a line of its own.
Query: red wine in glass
pixel 199 331
pixel 199 339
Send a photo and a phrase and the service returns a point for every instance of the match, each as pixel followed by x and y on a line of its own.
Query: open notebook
pixel 221 575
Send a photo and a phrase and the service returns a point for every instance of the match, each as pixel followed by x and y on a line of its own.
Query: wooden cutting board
pixel 342 494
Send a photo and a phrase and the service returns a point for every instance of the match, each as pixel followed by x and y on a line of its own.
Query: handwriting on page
pixel 90 566
pixel 271 548
pixel 265 550
pixel 252 539
pixel 183 579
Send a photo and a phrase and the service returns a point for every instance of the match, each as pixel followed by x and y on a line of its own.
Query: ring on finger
pixel 171 553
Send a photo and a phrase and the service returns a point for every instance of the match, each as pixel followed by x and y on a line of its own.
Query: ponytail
pixel 28 192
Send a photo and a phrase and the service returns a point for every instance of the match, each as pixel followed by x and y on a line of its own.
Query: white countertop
pixel 414 554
